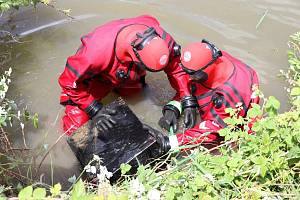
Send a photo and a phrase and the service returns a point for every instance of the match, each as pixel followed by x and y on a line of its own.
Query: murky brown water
pixel 48 38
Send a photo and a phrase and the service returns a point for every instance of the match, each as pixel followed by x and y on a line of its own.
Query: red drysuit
pixel 94 70
pixel 239 88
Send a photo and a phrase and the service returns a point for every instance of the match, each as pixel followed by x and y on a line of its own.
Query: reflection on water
pixel 55 23
pixel 48 38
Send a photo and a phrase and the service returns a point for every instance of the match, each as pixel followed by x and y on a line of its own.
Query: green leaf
pixel 261 163
pixel 19 186
pixel 294 152
pixel 141 172
pixel 4 6
pixel 265 138
pixel 187 195
pixel 295 91
pixel 231 111
pixel 26 115
pixel 26 193
pixel 125 168
pixel 170 194
pixel 233 163
pixel 254 111
pixel 56 189
pixel 35 120
pixel 273 102
pixel 263 170
pixel 78 190
pixel 223 132
pixel 227 178
pixel 72 179
pixel 270 124
pixel 230 121
pixel 204 195
pixel 39 193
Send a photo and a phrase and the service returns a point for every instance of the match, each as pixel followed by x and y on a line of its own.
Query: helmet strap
pixel 139 43
pixel 142 38
pixel 200 76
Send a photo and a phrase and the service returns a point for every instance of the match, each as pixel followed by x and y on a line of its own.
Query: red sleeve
pixel 79 67
pixel 179 80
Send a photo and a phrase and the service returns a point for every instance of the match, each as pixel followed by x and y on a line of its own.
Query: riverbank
pixel 265 165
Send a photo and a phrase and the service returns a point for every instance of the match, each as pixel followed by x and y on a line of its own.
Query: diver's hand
pixel 190 107
pixel 104 121
pixel 190 117
pixel 162 145
pixel 169 120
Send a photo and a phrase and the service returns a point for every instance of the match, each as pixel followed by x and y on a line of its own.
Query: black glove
pixel 190 106
pixel 162 144
pixel 171 112
pixel 103 121
pixel 168 120
pixel 190 117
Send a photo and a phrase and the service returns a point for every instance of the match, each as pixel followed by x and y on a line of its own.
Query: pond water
pixel 49 37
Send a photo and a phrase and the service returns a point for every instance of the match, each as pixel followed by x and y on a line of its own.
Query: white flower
pixel 87 167
pixel 3 112
pixel 153 194
pixel 108 175
pixel 96 157
pixel 93 170
pixel 4 87
pixel 239 104
pixel 104 174
pixel 8 72
pixel 136 188
pixel 101 178
pixel 253 95
pixel 22 125
pixel 19 114
pixel 90 169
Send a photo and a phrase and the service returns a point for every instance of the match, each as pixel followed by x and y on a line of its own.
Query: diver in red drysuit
pixel 218 81
pixel 116 56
